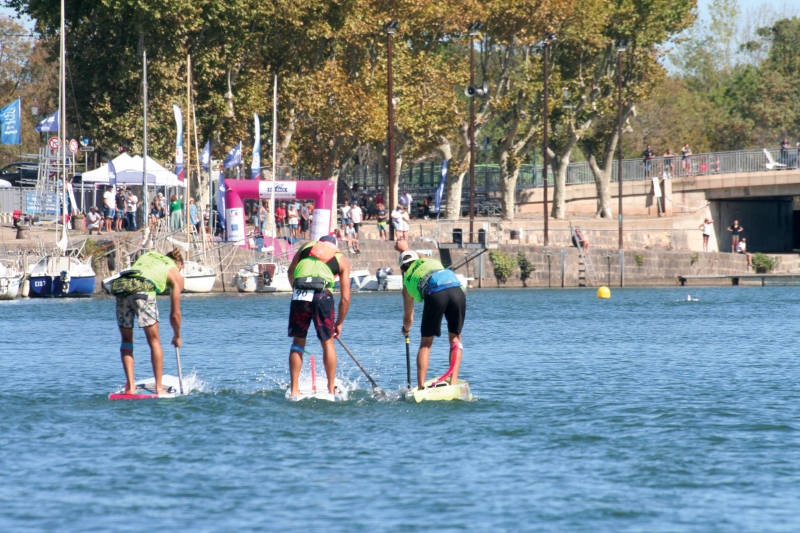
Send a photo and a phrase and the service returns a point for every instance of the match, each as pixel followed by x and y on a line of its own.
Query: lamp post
pixel 622 45
pixel 391 29
pixel 473 31
pixel 548 38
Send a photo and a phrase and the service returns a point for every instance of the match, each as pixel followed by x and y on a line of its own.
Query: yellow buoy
pixel 604 293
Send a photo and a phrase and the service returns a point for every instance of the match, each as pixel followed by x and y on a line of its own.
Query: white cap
pixel 409 256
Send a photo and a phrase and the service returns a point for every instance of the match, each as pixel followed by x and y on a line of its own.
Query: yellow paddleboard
pixel 442 392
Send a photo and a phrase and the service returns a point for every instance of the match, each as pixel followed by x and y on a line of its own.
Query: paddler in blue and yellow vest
pixel 152 273
pixel 426 280
pixel 312 273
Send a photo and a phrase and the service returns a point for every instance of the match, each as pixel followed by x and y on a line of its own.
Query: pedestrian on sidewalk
pixel 706 227
pixel 647 158
pixel 383 218
pixel 736 230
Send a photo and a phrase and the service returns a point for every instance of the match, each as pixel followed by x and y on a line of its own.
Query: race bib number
pixel 303 296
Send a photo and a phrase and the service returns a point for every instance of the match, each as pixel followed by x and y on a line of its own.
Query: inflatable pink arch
pixel 319 191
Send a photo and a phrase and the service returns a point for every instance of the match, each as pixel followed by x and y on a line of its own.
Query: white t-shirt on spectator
pixel 345 211
pixel 108 199
pixel 355 215
pixel 93 219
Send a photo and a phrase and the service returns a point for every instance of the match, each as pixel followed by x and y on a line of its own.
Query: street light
pixel 35 107
pixel 622 46
pixel 548 39
pixel 391 29
pixel 473 31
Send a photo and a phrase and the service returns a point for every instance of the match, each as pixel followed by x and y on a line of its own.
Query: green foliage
pixel 762 263
pixel 639 260
pixel 503 265
pixel 526 267
pixel 97 252
pixel 695 258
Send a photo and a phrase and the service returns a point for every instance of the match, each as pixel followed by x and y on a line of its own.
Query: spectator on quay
pixel 397 217
pixel 194 218
pixel 406 199
pixel 351 242
pixel 354 194
pixel 647 158
pixel 292 220
pixel 345 209
pixel 706 227
pixel 785 151
pixel 130 210
pixel 94 220
pixel 175 213
pixel 352 238
pixel 119 216
pixel 383 218
pixel 579 241
pixel 207 216
pixel 426 207
pixel 380 200
pixel 263 217
pixel 371 208
pixel 109 208
pixel 741 248
pixel 356 217
pixel 156 213
pixel 255 219
pixel 669 157
pixel 736 230
pixel 405 223
pixel 686 160
pixel 280 218
pixel 305 220
pixel 362 203
pixel 162 201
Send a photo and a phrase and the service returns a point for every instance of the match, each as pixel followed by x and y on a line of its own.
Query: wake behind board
pixel 441 392
pixel 307 390
pixel 146 389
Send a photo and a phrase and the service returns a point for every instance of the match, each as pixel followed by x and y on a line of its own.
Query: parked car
pixel 20 173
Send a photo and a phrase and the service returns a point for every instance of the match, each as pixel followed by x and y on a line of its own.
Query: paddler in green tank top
pixel 152 273
pixel 312 274
pixel 426 280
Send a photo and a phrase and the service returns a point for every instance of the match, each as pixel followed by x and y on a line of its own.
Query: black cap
pixel 329 238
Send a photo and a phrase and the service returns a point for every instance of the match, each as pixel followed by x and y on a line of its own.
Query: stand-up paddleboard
pixel 442 391
pixel 146 389
pixel 318 389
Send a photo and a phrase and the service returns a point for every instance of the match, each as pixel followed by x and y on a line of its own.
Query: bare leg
pixel 329 359
pixel 423 357
pixel 458 355
pixel 127 359
pixel 156 355
pixel 295 364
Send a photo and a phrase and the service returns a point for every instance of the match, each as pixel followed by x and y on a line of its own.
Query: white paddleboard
pixel 443 391
pixel 146 389
pixel 307 390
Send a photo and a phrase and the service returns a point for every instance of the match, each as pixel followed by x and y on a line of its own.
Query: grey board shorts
pixel 139 304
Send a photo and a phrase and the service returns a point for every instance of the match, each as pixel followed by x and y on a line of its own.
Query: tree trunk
pixel 603 183
pixel 560 166
pixel 452 188
pixel 509 171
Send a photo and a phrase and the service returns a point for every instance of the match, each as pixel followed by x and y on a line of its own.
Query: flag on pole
pixel 234 157
pixel 255 166
pixel 112 173
pixel 440 188
pixel 179 170
pixel 205 155
pixel 49 125
pixel 10 123
pixel 221 199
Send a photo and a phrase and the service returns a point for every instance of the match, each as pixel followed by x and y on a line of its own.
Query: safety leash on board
pixel 449 372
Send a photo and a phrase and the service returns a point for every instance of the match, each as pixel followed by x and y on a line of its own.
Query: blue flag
pixel 205 155
pixel 112 173
pixel 440 188
pixel 11 123
pixel 234 157
pixel 179 170
pixel 255 166
pixel 49 125
pixel 221 199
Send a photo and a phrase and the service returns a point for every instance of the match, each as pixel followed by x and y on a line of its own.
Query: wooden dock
pixel 740 279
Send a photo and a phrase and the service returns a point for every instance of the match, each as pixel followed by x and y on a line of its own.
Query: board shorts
pixel 139 304
pixel 381 226
pixel 318 306
pixel 108 212
pixel 449 303
pixel 303 225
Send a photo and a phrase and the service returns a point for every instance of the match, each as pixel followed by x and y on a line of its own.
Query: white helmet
pixel 409 256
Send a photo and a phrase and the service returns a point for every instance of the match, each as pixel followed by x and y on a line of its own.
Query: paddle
pixel 180 373
pixel 376 390
pixel 408 363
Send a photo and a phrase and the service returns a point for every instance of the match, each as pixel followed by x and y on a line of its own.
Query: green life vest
pixel 319 260
pixel 418 274
pixel 155 267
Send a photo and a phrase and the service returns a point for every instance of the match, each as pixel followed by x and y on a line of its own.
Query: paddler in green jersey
pixel 312 274
pixel 426 280
pixel 152 273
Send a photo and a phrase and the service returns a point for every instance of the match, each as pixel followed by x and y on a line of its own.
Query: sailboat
pixel 10 280
pixel 57 274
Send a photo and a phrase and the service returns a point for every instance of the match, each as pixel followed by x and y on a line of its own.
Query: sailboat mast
pixel 61 126
pixel 144 144
pixel 274 153
pixel 188 150
pixel 199 181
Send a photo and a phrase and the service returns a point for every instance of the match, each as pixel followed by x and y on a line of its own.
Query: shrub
pixel 762 263
pixel 526 268
pixel 639 260
pixel 503 265
pixel 695 258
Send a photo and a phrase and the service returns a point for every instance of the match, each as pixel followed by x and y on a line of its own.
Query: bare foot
pixel 161 391
pixel 128 389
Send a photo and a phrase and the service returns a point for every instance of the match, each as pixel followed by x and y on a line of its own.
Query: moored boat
pixel 61 276
pixel 10 281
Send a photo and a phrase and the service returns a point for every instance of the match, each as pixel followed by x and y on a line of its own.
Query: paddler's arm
pixel 408 312
pixel 176 286
pixel 344 296
pixel 292 266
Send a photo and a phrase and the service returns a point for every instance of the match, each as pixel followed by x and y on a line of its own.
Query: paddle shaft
pixel 408 362
pixel 353 357
pixel 180 372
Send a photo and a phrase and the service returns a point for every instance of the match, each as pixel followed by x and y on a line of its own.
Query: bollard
pixel 23 232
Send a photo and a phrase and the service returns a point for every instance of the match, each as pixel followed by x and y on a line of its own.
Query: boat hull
pixel 53 287
pixel 9 287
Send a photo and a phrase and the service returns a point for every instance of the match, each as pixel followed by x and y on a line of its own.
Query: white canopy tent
pixel 129 172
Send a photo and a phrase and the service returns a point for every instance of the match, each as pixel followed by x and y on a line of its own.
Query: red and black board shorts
pixel 449 303
pixel 320 309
